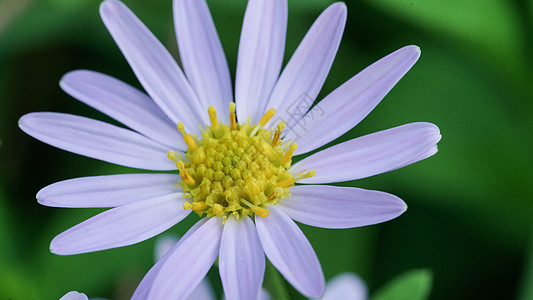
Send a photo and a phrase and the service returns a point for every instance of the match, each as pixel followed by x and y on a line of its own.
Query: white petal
pixel 121 226
pixel 188 263
pixel 142 290
pixel 123 103
pixel 290 252
pixel 305 73
pixel 346 286
pixel 202 291
pixel 202 55
pixel 346 106
pixel 73 295
pixel 241 262
pixel 264 295
pixel 371 154
pixel 96 139
pixel 108 190
pixel 163 244
pixel 261 49
pixel 155 68
pixel 340 207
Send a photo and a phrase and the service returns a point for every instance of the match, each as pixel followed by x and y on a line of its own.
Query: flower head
pixel 235 160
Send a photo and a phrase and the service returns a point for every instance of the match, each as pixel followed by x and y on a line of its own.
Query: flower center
pixel 235 169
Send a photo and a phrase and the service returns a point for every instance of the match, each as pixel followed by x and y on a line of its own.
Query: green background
pixel 470 215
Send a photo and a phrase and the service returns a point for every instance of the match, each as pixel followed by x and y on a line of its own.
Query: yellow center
pixel 235 169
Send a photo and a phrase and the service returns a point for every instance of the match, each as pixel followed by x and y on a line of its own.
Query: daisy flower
pixel 234 158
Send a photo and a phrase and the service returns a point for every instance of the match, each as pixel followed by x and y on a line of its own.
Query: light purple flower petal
pixel 187 264
pixel 73 295
pixel 346 106
pixel 241 261
pixel 121 226
pixel 371 154
pixel 96 139
pixel 433 150
pixel 164 244
pixel 202 55
pixel 261 49
pixel 142 290
pixel 346 286
pixel 123 103
pixel 340 207
pixel 290 252
pixel 108 190
pixel 305 73
pixel 155 68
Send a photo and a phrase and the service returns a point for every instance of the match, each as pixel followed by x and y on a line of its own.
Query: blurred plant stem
pixel 10 9
pixel 274 283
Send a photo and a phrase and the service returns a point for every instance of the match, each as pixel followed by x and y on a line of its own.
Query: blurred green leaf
pixel 526 286
pixel 17 283
pixel 412 285
pixel 45 22
pixel 489 29
pixel 6 232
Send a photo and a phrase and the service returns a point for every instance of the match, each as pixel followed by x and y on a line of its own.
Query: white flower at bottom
pixel 235 171
pixel 73 295
pixel 346 286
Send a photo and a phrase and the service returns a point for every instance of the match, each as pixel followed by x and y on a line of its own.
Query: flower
pixel 73 295
pixel 230 171
pixel 346 286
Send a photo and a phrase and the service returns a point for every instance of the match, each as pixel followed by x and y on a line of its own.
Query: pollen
pixel 235 169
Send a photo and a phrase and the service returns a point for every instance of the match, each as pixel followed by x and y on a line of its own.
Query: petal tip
pixel 71 75
pixel 25 121
pixel 411 52
pixel 435 132
pixel 403 208
pixel 340 5
pixel 413 48
pixel 341 8
pixel 41 197
pixel 57 249
pixel 108 7
pixel 318 290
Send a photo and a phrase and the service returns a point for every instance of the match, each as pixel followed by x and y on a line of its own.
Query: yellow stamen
pixel 233 169
pixel 172 156
pixel 261 211
pixel 288 155
pixel 285 183
pixel 277 134
pixel 310 174
pixel 232 116
pixel 198 206
pixel 247 203
pixel 213 116
pixel 266 117
pixel 187 137
pixel 183 173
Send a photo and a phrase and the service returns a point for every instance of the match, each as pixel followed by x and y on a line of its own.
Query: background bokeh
pixel 470 215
